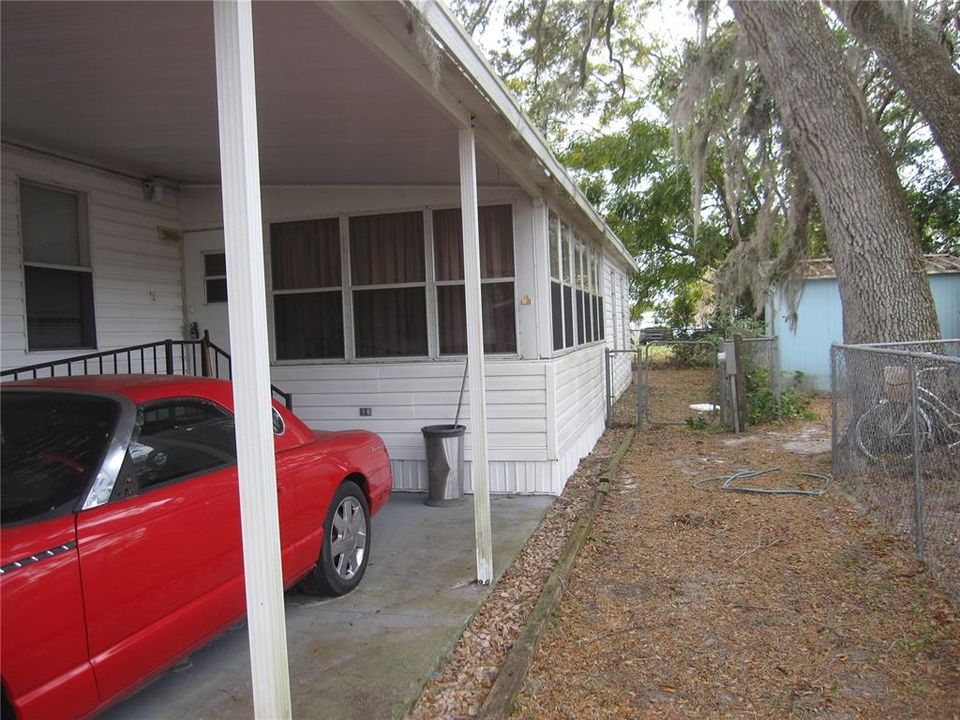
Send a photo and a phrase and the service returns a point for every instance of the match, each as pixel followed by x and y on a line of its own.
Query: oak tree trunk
pixel 919 65
pixel 876 251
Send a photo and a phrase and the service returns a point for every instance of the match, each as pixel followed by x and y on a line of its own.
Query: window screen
pixel 495 229
pixel 389 285
pixel 307 292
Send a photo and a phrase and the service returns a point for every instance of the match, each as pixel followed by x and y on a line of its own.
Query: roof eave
pixel 472 62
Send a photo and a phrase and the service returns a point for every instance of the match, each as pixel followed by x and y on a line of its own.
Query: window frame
pixel 206 292
pixel 129 476
pixel 84 238
pixel 273 292
pixel 436 354
pixel 579 271
pixel 347 288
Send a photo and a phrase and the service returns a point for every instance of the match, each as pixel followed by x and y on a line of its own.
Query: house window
pixel 389 285
pixel 496 280
pixel 576 293
pixel 307 289
pixel 58 277
pixel 215 277
pixel 556 284
pixel 566 248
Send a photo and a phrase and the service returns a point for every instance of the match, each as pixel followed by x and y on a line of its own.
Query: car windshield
pixel 52 443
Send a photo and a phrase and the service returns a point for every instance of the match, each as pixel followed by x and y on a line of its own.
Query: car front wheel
pixel 346 544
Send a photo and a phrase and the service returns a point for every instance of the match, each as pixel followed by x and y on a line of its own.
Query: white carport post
pixel 478 390
pixel 242 229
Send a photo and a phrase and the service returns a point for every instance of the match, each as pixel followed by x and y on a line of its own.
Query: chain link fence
pixel 678 379
pixel 896 440
pixel 622 397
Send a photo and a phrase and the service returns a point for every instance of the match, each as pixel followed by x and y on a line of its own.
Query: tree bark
pixel 919 65
pixel 876 252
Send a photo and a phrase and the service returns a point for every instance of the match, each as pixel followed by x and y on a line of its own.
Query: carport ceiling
pixel 132 85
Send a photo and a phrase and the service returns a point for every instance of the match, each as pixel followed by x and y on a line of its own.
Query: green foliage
pixel 564 59
pixel 934 201
pixel 699 424
pixel 762 398
pixel 571 63
pixel 645 192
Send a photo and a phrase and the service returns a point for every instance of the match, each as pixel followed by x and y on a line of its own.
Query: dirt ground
pixel 689 602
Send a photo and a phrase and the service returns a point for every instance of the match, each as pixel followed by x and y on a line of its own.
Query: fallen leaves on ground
pixel 689 602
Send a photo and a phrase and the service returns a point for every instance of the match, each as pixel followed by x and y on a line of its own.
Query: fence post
pixel 777 376
pixel 609 385
pixel 834 455
pixel 636 361
pixel 917 476
pixel 205 354
pixel 742 409
pixel 168 355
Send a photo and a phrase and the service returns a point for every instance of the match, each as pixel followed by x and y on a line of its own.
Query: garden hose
pixel 729 486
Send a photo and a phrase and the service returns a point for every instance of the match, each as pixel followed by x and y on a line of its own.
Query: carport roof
pixel 344 96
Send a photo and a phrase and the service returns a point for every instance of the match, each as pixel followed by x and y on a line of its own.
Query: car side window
pixel 179 438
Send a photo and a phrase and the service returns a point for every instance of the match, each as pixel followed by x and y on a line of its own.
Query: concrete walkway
pixel 365 655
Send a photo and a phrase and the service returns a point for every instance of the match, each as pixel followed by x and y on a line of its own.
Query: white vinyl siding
pixel 616 320
pixel 405 396
pixel 138 293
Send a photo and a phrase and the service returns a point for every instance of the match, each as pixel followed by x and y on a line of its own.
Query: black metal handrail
pixel 163 357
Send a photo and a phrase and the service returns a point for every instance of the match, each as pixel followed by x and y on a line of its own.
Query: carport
pixel 144 102
pixel 289 93
pixel 365 655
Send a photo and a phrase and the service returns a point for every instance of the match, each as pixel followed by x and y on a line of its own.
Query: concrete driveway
pixel 365 655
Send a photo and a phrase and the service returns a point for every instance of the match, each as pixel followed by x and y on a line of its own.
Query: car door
pixel 162 567
pixel 42 639
pixel 53 445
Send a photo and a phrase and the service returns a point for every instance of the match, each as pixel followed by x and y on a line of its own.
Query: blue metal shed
pixel 819 320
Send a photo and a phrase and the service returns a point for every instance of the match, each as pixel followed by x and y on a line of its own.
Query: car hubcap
pixel 348 538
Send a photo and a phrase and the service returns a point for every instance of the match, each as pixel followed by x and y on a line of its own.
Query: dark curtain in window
pixel 305 254
pixel 556 307
pixel 387 249
pixel 499 318
pixel 452 318
pixel 581 319
pixel 568 316
pixel 496 242
pixel 602 319
pixel 390 323
pixel 596 316
pixel 308 325
pixel 59 309
pixel 588 315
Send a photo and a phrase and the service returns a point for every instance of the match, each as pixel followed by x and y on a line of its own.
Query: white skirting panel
pixel 576 451
pixel 506 477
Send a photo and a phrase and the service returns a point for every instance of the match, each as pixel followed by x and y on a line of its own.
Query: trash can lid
pixel 443 431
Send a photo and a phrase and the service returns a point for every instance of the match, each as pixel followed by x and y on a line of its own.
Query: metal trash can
pixel 444 445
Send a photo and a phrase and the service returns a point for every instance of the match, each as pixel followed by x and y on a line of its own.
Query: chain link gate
pixel 677 380
pixel 622 390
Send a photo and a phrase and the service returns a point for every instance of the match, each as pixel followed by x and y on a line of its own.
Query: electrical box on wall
pixel 366 412
pixel 152 191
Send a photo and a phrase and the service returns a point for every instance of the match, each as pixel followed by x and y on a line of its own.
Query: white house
pixel 111 225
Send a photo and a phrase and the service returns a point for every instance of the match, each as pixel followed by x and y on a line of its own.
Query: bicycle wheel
pixel 885 432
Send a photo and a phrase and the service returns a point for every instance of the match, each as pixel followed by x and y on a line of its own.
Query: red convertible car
pixel 120 541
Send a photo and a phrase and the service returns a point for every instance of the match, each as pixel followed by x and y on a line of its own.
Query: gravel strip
pixel 458 688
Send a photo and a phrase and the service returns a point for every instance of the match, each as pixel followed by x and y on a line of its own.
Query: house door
pixel 205 275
